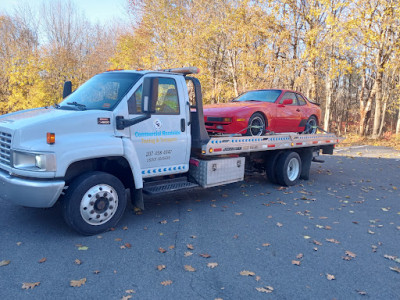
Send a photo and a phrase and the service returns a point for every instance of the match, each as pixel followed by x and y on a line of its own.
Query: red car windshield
pixel 263 96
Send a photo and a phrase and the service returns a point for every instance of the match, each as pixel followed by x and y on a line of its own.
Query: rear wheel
pixel 311 125
pixel 94 202
pixel 288 168
pixel 270 166
pixel 257 125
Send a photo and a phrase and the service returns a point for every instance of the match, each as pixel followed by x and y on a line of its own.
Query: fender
pixel 131 156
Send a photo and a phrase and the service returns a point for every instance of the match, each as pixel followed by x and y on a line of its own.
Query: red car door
pixel 288 117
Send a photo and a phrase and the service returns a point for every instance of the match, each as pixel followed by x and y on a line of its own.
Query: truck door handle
pixel 183 125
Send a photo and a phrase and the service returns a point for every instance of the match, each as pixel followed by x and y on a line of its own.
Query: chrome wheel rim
pixel 311 126
pixel 99 204
pixel 293 169
pixel 257 126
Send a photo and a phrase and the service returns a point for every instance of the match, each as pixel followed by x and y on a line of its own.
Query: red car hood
pixel 228 108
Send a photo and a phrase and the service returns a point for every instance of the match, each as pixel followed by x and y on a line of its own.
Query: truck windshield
pixel 103 91
pixel 261 95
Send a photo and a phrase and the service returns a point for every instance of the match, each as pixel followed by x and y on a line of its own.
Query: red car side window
pixel 289 95
pixel 301 100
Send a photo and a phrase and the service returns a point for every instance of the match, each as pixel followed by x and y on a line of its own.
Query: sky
pixel 97 11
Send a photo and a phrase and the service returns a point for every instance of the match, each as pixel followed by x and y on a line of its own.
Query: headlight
pixel 34 161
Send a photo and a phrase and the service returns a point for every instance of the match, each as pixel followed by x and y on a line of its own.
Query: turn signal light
pixel 51 138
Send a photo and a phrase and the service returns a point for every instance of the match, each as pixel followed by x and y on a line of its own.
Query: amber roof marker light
pixel 51 138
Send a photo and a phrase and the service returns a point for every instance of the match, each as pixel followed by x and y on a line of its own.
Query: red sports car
pixel 260 111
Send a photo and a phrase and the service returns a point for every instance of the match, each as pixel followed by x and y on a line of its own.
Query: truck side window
pixel 135 102
pixel 167 103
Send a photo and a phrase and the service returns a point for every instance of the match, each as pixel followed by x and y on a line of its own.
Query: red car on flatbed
pixel 260 111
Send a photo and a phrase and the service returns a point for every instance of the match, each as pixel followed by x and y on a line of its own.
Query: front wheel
pixel 94 202
pixel 257 125
pixel 311 125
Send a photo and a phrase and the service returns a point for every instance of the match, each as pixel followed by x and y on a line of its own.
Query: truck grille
pixel 5 148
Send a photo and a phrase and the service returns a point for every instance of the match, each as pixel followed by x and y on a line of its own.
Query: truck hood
pixel 29 127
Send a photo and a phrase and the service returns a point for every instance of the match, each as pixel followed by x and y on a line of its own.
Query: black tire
pixel 270 166
pixel 96 194
pixel 257 125
pixel 288 168
pixel 311 125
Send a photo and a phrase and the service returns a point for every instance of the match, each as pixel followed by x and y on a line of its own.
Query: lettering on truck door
pixel 160 142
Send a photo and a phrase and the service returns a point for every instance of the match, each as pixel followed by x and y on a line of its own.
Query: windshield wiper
pixel 78 105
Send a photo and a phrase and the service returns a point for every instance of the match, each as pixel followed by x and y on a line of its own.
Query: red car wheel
pixel 256 125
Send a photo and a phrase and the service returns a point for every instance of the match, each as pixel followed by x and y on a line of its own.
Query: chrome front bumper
pixel 29 192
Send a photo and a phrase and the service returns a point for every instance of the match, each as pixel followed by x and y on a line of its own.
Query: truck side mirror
pixel 150 94
pixel 67 89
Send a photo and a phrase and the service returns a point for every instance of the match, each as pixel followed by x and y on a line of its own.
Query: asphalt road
pixel 343 224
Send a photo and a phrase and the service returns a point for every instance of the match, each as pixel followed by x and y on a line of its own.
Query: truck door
pixel 163 141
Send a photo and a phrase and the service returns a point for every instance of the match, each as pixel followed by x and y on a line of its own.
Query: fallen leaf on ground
pixel 296 262
pixel 126 297
pixel 299 256
pixel 205 255
pixel 176 220
pixel 42 260
pixel 267 289
pixel 162 250
pixel 307 237
pixel 125 228
pixel 238 214
pixel 189 268
pixel 161 267
pixel 4 263
pixel 83 248
pixel 19 243
pixel 361 292
pixel 371 232
pixel 266 244
pixel 330 277
pixel 188 253
pixel 212 265
pixel 130 291
pixel 190 246
pixel 29 285
pixel 171 247
pixel 247 273
pixel 166 282
pixel 351 254
pixel 163 222
pixel 118 240
pixel 77 283
pixel 78 262
pixel 258 278
pixel 279 224
pixel 332 241
pixel 127 245
pixel 396 269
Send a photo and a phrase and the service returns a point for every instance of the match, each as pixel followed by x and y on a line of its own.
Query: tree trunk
pixel 398 123
pixel 233 69
pixel 328 101
pixel 382 118
pixel 365 107
pixel 378 103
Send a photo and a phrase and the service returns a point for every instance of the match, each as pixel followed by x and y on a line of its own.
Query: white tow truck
pixel 137 130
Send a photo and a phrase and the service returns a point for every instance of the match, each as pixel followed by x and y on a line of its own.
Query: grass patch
pixel 392 141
